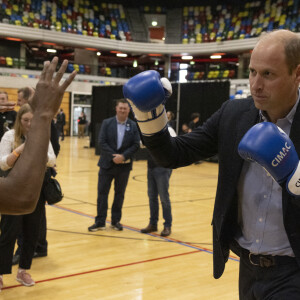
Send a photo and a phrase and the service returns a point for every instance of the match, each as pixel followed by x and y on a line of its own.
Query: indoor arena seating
pixel 95 20
pixel 213 74
pixel 203 24
pixel 153 9
pixel 79 17
pixel 12 62
pixel 200 24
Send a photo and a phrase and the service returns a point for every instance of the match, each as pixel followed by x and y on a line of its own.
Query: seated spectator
pixel 195 121
pixel 171 121
pixel 185 129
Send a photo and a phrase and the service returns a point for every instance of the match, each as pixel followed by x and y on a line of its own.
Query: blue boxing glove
pixel 147 94
pixel 270 147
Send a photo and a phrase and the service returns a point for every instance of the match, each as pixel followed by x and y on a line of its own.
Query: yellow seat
pixel 9 61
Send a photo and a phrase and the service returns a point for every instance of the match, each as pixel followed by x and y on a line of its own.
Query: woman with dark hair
pixel 11 147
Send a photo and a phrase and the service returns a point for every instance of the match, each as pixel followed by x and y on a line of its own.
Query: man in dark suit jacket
pixel 60 123
pixel 254 216
pixel 119 139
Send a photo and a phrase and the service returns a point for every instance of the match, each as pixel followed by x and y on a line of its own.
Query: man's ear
pixel 298 73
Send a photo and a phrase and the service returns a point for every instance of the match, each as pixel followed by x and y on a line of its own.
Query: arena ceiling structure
pixel 136 49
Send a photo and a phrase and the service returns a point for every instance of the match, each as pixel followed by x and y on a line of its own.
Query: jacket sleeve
pixel 54 138
pixel 174 152
pixel 128 153
pixel 103 139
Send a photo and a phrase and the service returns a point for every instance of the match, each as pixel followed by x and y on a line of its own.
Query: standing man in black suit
pixel 60 123
pixel 119 139
pixel 254 216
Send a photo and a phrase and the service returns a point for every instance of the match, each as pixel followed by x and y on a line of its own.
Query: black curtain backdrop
pixel 202 97
pixel 103 106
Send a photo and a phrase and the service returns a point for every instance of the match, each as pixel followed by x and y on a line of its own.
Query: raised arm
pixel 20 190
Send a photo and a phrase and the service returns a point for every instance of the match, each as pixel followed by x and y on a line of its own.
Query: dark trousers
pixel 60 129
pixel 278 282
pixel 10 227
pixel 42 243
pixel 120 174
pixel 158 184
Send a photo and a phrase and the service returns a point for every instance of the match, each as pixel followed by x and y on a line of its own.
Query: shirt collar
pixel 289 117
pixel 121 123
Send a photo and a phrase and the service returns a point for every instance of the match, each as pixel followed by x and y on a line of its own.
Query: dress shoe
pixel 39 254
pixel 117 226
pixel 16 259
pixel 149 228
pixel 96 227
pixel 166 231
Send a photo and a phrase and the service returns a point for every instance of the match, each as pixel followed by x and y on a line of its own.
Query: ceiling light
pixel 51 50
pixel 121 54
pixel 98 53
pixel 186 57
pixel 192 62
pixel 156 62
pixel 183 66
pixel 13 39
pixel 91 49
pixel 154 23
pixel 35 49
pixel 47 43
pixel 135 63
pixel 215 56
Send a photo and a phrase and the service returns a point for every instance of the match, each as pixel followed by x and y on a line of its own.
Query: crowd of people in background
pixel 33 243
pixel 187 126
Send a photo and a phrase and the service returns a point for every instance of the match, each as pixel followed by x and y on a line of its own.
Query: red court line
pixel 105 269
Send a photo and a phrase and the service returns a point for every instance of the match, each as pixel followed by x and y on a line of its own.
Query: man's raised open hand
pixel 48 94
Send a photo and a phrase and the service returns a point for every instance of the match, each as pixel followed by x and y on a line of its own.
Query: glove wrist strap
pixel 293 182
pixel 153 126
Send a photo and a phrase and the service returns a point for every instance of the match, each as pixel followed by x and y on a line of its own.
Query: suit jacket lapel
pixel 115 132
pixel 295 130
pixel 245 122
pixel 127 125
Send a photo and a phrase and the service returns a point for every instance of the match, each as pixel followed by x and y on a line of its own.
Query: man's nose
pixel 257 82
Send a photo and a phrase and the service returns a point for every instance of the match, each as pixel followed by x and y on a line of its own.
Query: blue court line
pixel 136 230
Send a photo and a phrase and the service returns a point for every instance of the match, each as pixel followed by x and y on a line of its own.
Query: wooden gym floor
pixel 127 265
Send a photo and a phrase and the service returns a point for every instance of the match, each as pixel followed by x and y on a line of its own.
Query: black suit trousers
pixel 279 282
pixel 120 175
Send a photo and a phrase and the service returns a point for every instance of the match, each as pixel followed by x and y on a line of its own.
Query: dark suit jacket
pixel 108 142
pixel 221 135
pixel 54 138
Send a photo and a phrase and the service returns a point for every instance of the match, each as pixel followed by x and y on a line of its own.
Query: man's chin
pixel 260 104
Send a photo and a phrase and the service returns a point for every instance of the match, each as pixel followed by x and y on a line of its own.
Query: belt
pixel 266 261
